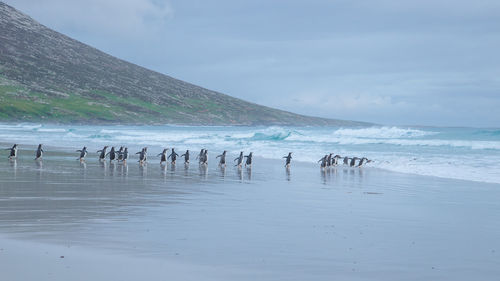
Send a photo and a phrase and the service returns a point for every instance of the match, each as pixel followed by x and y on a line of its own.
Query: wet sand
pixel 112 221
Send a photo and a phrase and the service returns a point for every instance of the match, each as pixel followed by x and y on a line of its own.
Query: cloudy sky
pixel 393 62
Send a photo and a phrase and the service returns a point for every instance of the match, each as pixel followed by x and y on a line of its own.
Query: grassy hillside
pixel 45 75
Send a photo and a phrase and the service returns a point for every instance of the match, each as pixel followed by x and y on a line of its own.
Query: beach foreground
pixel 65 220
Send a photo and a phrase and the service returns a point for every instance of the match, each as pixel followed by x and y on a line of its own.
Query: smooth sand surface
pixel 154 222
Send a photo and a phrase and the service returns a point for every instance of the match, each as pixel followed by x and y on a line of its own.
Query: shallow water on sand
pixel 458 153
pixel 272 223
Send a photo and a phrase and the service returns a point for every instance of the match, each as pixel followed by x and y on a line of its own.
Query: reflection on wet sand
pixel 13 165
pixel 203 171
pixel 222 170
pixel 239 172
pixel 143 169
pixel 163 169
pixel 249 173
pixel 39 168
pixel 111 169
pixel 348 173
pixel 124 169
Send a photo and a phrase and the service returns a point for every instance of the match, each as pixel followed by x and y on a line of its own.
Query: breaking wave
pixel 469 154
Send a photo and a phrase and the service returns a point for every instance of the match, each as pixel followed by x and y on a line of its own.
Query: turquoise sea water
pixel 459 153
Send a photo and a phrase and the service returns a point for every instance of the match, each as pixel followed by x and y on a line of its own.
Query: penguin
pixel 240 160
pixel 163 155
pixel 288 160
pixel 249 160
pixel 335 160
pixel 329 160
pixel 13 151
pixel 353 161
pixel 186 157
pixel 102 155
pixel 112 154
pixel 323 161
pixel 222 161
pixel 346 160
pixel 205 157
pixel 125 155
pixel 200 156
pixel 83 153
pixel 39 152
pixel 363 161
pixel 173 156
pixel 120 154
pixel 143 155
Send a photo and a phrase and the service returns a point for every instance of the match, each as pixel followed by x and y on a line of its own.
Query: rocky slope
pixel 45 75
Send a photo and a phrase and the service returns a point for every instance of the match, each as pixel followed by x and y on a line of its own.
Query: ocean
pixel 457 153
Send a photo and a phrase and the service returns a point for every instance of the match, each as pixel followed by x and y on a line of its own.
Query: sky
pixel 392 62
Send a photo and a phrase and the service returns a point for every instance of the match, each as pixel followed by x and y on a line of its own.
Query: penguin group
pixel 328 161
pixel 122 155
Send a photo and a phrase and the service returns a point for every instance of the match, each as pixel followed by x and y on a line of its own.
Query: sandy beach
pixel 129 222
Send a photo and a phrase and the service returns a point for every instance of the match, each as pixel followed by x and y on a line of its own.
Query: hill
pixel 47 76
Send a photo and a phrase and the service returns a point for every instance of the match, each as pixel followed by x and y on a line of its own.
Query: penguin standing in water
pixel 112 154
pixel 13 152
pixel 205 157
pixel 173 156
pixel 163 155
pixel 143 155
pixel 124 155
pixel 186 157
pixel 353 161
pixel 222 161
pixel 323 161
pixel 346 160
pixel 39 152
pixel 363 161
pixel 83 153
pixel 240 160
pixel 120 154
pixel 102 155
pixel 249 160
pixel 288 159
pixel 335 160
pixel 200 156
pixel 329 160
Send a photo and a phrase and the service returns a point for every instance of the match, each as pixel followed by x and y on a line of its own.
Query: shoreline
pixel 466 154
pixel 68 154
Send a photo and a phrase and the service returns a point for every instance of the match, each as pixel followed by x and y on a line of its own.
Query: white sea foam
pixel 51 130
pixel 451 153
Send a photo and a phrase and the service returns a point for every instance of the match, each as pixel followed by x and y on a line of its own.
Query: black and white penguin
pixel 323 161
pixel 13 151
pixel 240 160
pixel 173 156
pixel 249 160
pixel 163 155
pixel 186 157
pixel 222 161
pixel 143 155
pixel 39 152
pixel 288 159
pixel 102 154
pixel 83 153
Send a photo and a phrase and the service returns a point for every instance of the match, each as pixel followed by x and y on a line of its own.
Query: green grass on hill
pixel 17 103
